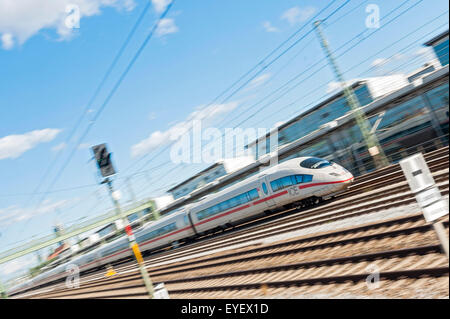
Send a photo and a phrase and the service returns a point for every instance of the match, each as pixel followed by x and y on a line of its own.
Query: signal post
pixel 104 164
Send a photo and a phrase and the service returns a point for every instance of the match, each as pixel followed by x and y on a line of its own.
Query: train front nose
pixel 343 178
pixel 349 179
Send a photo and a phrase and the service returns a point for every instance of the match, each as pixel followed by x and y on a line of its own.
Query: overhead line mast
pixel 373 145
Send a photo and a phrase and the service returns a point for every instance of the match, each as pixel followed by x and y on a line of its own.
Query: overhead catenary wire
pixel 262 68
pixel 324 59
pixel 348 70
pixel 261 63
pixel 172 171
pixel 105 102
pixel 94 96
pixel 284 66
pixel 111 94
pixel 87 107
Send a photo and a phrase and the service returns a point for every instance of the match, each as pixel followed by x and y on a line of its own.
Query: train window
pixel 234 202
pixel 253 194
pixel 275 186
pixel 114 249
pixel 160 231
pixel 314 163
pixel 242 199
pixel 230 203
pixel 264 186
pixel 89 259
pixel 223 206
pixel 286 181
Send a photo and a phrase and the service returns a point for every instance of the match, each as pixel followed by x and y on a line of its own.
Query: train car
pixel 299 181
pixel 302 180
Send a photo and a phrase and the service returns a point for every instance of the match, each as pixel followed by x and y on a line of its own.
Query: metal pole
pixel 133 244
pixel 137 253
pixel 442 236
pixel 373 145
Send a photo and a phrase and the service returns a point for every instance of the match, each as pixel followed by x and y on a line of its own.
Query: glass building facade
pixel 440 47
pixel 405 122
pixel 441 51
pixel 312 120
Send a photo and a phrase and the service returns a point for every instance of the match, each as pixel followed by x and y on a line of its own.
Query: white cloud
pixel 425 52
pixel 12 146
pixel 7 41
pixel 166 26
pixel 258 81
pixel 296 14
pixel 21 19
pixel 379 62
pixel 159 138
pixel 59 147
pixel 336 86
pixel 14 214
pixel 160 5
pixel 269 27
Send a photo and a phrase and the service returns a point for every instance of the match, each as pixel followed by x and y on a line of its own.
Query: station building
pixel 402 112
pixel 415 114
pixel 366 91
pixel 426 68
pixel 440 47
pixel 408 113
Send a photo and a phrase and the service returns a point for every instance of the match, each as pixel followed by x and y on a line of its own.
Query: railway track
pixel 368 194
pixel 399 248
pixel 400 195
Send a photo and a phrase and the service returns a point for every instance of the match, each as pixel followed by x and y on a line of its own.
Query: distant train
pixel 300 181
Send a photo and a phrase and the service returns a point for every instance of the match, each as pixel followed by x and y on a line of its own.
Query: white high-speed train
pixel 299 181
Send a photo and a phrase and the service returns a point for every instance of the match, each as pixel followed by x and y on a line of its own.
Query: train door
pixel 267 193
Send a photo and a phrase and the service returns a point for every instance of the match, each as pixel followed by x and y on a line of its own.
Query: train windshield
pixel 314 163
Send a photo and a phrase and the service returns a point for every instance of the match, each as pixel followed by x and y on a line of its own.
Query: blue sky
pixel 48 74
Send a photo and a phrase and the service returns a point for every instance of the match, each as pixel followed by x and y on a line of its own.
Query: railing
pixel 127 210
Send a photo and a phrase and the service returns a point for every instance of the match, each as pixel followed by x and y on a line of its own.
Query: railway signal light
pixel 103 159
